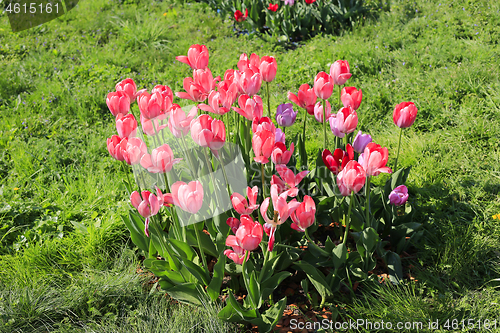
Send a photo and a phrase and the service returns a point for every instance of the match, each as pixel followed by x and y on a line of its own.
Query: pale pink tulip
pixel 115 149
pixel 241 205
pixel 303 216
pixel 318 111
pixel 189 197
pixel 135 149
pixel 374 159
pixel 152 126
pixel 179 123
pixel 204 79
pixel 339 72
pixel 197 57
pixel 253 63
pixel 250 108
pixel 118 103
pixel 208 132
pixel 126 126
pixel 281 207
pixel 344 122
pixel 249 81
pixel 151 105
pixel 193 92
pixel 351 179
pixel 289 177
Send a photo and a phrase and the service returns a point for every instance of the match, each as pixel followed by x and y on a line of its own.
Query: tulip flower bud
pixel 399 195
pixel 404 114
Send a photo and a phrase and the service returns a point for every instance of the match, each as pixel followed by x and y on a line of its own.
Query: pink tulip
pixel 128 87
pixel 350 96
pixel 250 108
pixel 323 88
pixel 114 147
pixel 339 72
pixel 241 205
pixel 233 223
pixel 219 102
pixel 281 207
pixel 303 216
pixel 118 103
pixel 280 155
pixel 179 123
pixel 147 206
pixel 208 132
pixel 204 79
pixel 318 111
pixel 152 126
pixel 337 161
pixel 404 114
pixel 189 197
pixel 305 98
pixel 253 63
pixel 135 149
pixel 167 97
pixel 197 57
pixel 249 233
pixel 126 126
pixel 279 136
pixel 351 179
pixel 161 160
pixel 282 186
pixel 237 254
pixel 151 105
pixel 374 159
pixel 249 81
pixel 264 123
pixel 263 144
pixel 344 122
pixel 268 67
pixel 193 92
pixel 290 178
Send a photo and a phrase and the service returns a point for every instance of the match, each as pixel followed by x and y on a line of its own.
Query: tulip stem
pixel 325 142
pixel 304 128
pixel 367 194
pixel 188 157
pixel 202 253
pixel 128 177
pixel 225 175
pixel 340 94
pixel 263 180
pixel 268 103
pixel 266 255
pixel 399 147
pixel 210 171
pixel 248 138
pixel 348 218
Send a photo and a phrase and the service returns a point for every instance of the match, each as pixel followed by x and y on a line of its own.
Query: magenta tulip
pixel 340 72
pixel 361 141
pixel 399 195
pixel 290 178
pixel 285 115
pixel 197 57
pixel 279 136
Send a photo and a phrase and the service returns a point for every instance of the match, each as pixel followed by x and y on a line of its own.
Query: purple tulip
pixel 361 141
pixel 279 136
pixel 285 116
pixel 399 195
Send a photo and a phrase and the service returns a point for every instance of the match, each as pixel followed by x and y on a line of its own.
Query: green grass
pixel 66 263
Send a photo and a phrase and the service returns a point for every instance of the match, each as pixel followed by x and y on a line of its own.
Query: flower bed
pixel 217 183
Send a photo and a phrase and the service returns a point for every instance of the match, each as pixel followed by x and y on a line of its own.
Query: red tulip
pixel 344 122
pixel 350 96
pixel 336 162
pixel 250 107
pixel 404 114
pixel 280 155
pixel 126 126
pixel 151 106
pixel 189 197
pixel 249 81
pixel 268 66
pixel 194 92
pixel 339 72
pixel 263 143
pixel 208 132
pixel 118 103
pixel 374 159
pixel 197 57
pixel 310 1
pixel 114 147
pixel 272 7
pixel 128 87
pixel 305 98
pixel 134 150
pixel 239 17
pixel 148 205
pixel 303 216
pixel 179 123
pixel 241 205
pixel 161 160
pixel 351 179
pixel 323 87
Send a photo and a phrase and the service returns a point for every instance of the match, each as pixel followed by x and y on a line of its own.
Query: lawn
pixel 67 263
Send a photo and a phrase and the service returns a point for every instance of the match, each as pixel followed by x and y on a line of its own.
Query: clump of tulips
pixel 190 207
